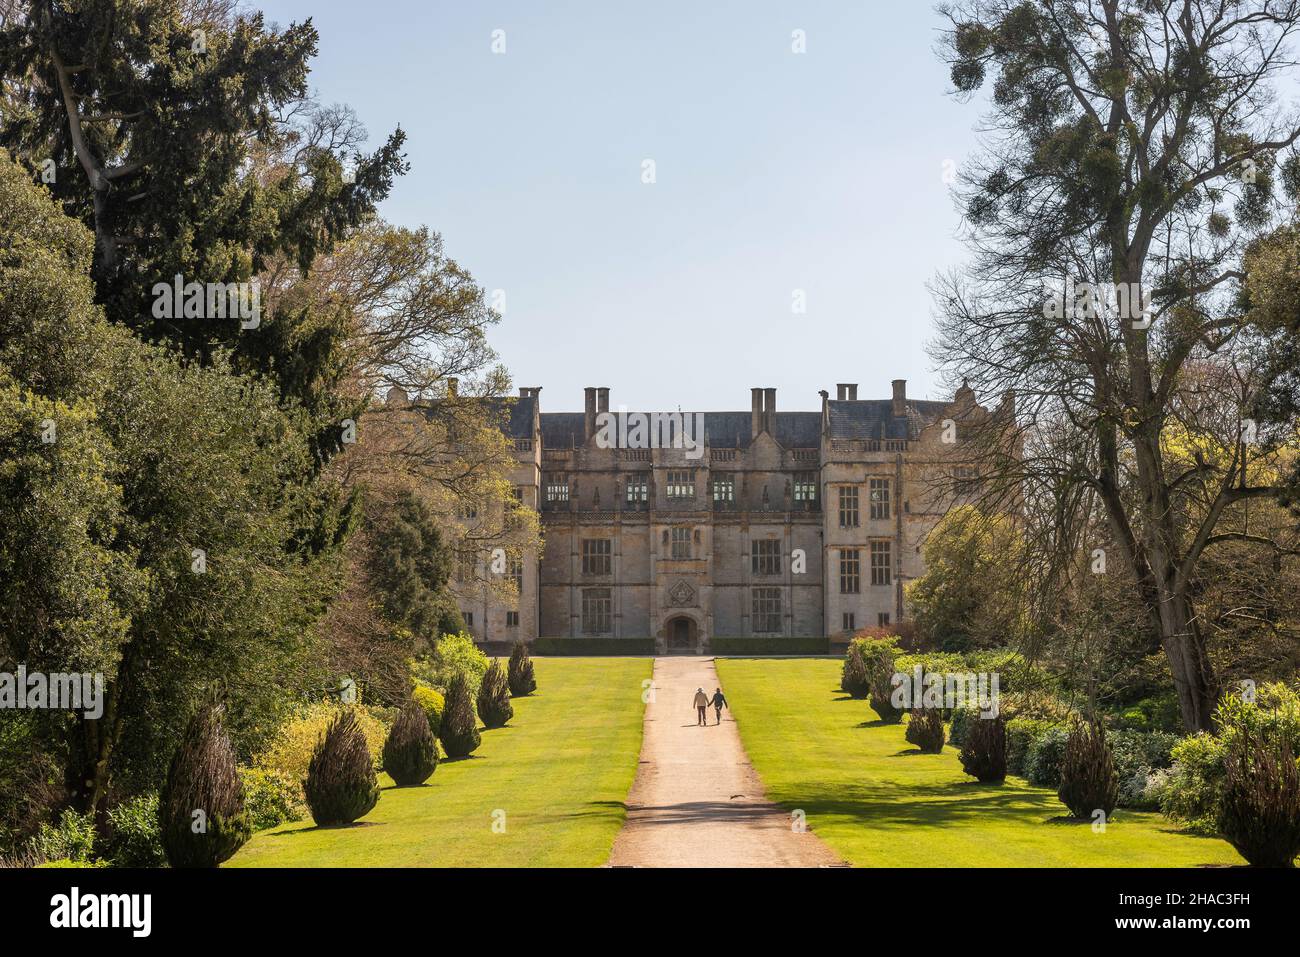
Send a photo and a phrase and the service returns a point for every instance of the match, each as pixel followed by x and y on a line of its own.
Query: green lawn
pixel 878 805
pixel 560 771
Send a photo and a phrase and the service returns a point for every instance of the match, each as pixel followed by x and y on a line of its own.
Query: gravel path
pixel 696 800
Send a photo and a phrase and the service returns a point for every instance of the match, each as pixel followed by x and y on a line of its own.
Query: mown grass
pixel 879 802
pixel 560 772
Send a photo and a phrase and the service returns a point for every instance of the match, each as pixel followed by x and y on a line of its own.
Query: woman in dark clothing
pixel 719 702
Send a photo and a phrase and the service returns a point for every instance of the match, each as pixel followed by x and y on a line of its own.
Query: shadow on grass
pixel 325 827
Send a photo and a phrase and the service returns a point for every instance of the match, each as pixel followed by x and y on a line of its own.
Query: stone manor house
pixel 784 524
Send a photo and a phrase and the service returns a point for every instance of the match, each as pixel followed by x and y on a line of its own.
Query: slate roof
pixel 874 418
pixel 860 419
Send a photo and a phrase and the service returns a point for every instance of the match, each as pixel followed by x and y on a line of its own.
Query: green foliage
pixel 1259 813
pixel 878 657
pixel 1021 734
pixel 290 751
pixel 411 751
pixel 1042 764
pixel 31 777
pixel 433 704
pixel 459 733
pixel 984 755
pixel 494 707
pixel 591 647
pixel 71 839
pixel 1088 781
pixel 1195 784
pixel 453 655
pixel 1152 714
pixel 764 645
pixel 201 808
pixel 519 671
pixel 134 836
pixel 925 729
pixel 960 724
pixel 341 783
pixel 410 565
pixel 854 680
pixel 271 797
pixel 971 595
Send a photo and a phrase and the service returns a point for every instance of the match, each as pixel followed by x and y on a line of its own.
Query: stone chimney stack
pixel 755 412
pixel 900 397
pixel 846 391
pixel 396 397
pixel 453 387
pixel 602 398
pixel 589 418
pixel 769 411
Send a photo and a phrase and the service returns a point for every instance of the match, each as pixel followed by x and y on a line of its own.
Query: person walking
pixel 719 702
pixel 701 707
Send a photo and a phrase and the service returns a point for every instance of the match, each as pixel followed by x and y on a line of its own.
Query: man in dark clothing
pixel 719 702
pixel 701 707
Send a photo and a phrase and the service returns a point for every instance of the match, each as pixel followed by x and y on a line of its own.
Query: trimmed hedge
pixel 592 646
pixel 742 647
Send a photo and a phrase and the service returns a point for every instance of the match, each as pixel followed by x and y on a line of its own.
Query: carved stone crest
pixel 682 594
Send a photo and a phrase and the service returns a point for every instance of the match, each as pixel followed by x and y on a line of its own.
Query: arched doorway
pixel 682 635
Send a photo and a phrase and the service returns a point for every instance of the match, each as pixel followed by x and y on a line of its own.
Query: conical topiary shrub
pixel 984 755
pixel 854 680
pixel 460 734
pixel 925 729
pixel 411 750
pixel 1260 811
pixel 341 784
pixel 494 708
pixel 520 671
pixel 1088 779
pixel 201 812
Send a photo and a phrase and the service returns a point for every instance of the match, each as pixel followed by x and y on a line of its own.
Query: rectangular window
pixel 638 489
pixel 512 619
pixel 850 571
pixel 848 506
pixel 767 610
pixel 469 618
pixel 724 490
pixel 596 556
pixel 882 570
pixel 849 619
pixel 557 489
pixel 882 618
pixel 515 573
pixel 464 564
pixel 596 615
pixel 805 487
pixel 880 498
pixel 681 543
pixel 765 556
pixel 518 493
pixel 681 484
pixel 467 510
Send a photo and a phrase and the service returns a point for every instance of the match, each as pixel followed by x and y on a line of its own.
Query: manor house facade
pixel 780 524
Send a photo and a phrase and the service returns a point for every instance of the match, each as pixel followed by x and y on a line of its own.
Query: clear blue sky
pixel 776 172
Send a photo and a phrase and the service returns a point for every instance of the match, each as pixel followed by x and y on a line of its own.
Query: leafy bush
pixel 519 672
pixel 1042 764
pixel 1142 789
pixel 134 838
pixel 460 734
pixel 1259 813
pixel 1021 734
pixel 1133 749
pixel 1088 781
pixel 72 839
pixel 291 751
pixel 925 729
pixel 454 655
pixel 494 708
pixel 433 703
pixel 341 785
pixel 411 751
pixel 960 724
pixel 201 809
pixel 854 680
pixel 879 655
pixel 1195 783
pixel 271 797
pixel 1152 714
pixel 984 755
